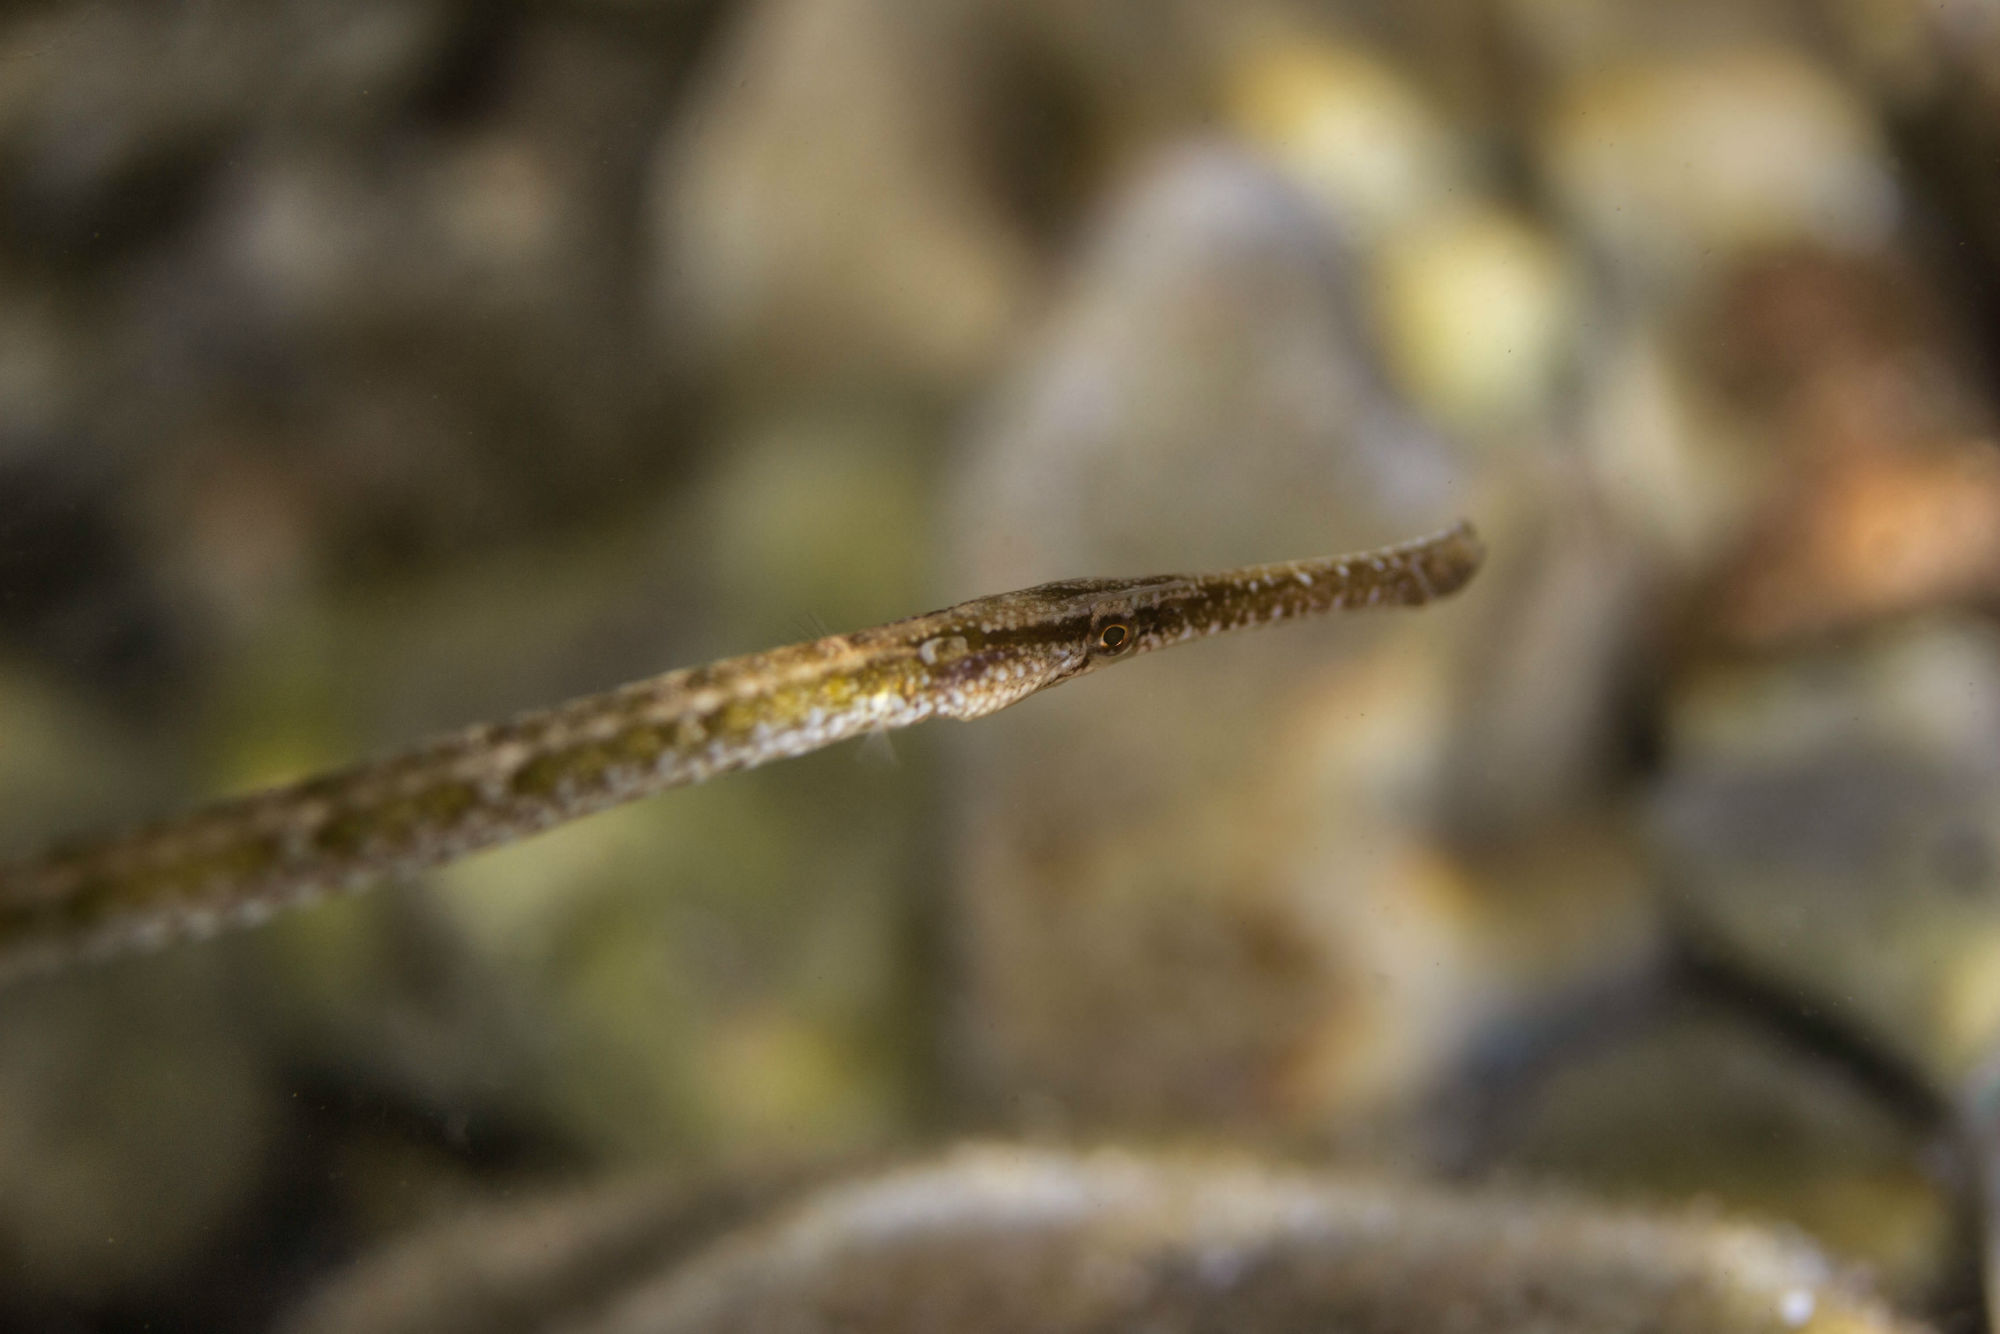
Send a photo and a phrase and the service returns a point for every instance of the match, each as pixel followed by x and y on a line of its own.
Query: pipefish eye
pixel 1114 637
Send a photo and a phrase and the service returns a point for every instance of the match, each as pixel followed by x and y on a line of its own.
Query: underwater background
pixel 379 367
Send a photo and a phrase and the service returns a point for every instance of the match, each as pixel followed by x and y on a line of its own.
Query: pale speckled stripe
pixel 239 859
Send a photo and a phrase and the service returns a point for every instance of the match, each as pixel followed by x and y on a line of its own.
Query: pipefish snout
pixel 239 859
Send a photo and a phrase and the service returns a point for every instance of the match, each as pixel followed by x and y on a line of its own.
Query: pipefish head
pixel 994 651
pixel 999 650
pixel 989 653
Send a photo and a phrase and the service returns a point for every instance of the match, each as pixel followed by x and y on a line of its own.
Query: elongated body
pixel 240 858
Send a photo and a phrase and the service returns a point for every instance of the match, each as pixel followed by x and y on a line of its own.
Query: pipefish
pixel 240 858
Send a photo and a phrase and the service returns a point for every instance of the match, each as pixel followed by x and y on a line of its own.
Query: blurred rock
pixel 43 373
pixel 1846 353
pixel 1551 677
pixel 716 973
pixel 65 769
pixel 1699 1106
pixel 117 1170
pixel 1474 310
pixel 113 114
pixel 815 218
pixel 1212 890
pixel 1436 949
pixel 1881 494
pixel 1472 304
pixel 1936 72
pixel 1915 52
pixel 818 523
pixel 1860 538
pixel 1563 38
pixel 1138 76
pixel 996 1239
pixel 379 993
pixel 534 1264
pixel 1477 311
pixel 79 592
pixel 1349 129
pixel 1829 822
pixel 1671 163
pixel 1800 451
pixel 1203 361
pixel 1678 474
pixel 391 311
pixel 475 289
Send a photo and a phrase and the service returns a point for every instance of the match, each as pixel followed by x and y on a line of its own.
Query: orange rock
pixel 1868 535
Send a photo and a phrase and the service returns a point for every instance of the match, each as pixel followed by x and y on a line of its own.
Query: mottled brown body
pixel 239 859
